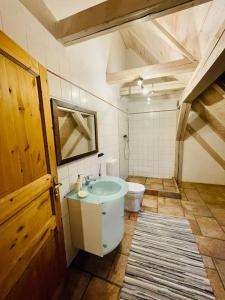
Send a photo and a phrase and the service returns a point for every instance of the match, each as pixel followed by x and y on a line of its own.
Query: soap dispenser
pixel 78 184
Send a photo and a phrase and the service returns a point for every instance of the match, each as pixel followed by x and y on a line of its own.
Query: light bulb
pixel 140 81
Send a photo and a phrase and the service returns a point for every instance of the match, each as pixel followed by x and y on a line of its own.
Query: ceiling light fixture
pixel 140 81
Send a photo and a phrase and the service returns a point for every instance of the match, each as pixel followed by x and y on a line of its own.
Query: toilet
pixel 135 190
pixel 134 196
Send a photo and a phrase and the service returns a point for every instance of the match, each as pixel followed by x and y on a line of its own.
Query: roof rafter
pixel 209 69
pixel 171 40
pixel 105 17
pixel 152 71
pixel 153 88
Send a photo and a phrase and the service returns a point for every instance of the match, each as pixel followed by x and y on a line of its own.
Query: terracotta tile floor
pixel 159 184
pixel 94 278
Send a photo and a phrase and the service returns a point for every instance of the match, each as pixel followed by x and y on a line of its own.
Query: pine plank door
pixel 32 255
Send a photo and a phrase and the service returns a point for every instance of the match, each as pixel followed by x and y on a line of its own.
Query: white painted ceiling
pixel 65 8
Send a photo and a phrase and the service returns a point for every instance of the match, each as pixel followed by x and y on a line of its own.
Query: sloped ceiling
pixel 65 8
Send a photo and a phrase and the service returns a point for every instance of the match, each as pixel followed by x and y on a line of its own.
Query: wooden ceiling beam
pixel 152 88
pixel 41 12
pixel 171 41
pixel 134 42
pixel 209 69
pixel 112 15
pixel 161 95
pixel 152 71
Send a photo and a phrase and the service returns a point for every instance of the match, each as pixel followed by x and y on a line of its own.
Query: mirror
pixel 75 131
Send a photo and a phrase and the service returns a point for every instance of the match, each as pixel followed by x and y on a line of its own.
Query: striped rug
pixel 164 262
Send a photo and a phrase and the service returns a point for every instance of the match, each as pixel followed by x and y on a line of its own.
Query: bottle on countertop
pixel 78 184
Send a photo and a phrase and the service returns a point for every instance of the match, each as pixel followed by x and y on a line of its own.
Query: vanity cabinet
pixel 96 227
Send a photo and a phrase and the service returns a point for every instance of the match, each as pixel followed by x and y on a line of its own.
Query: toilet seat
pixel 134 188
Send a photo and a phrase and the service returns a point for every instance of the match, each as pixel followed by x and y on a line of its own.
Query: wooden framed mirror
pixel 75 131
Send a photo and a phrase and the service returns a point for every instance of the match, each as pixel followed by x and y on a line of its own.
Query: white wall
pixel 198 165
pixel 84 64
pixel 123 146
pixel 152 130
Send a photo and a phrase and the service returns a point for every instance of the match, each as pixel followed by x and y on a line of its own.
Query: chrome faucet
pixel 89 179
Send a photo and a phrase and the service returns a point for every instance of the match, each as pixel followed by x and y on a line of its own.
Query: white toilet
pixel 134 196
pixel 135 190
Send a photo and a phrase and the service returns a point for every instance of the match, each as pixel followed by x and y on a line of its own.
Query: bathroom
pixel 166 155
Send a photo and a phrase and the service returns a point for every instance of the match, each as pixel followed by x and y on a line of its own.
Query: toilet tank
pixel 112 167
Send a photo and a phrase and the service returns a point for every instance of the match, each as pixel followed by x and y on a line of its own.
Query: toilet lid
pixel 135 187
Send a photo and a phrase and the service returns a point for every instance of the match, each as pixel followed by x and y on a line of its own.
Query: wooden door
pixel 32 256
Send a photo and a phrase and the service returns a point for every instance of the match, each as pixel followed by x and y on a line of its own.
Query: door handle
pixel 56 186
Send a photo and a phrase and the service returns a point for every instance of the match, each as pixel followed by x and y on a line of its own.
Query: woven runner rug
pixel 164 262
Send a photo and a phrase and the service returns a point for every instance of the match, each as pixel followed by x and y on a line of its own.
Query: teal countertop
pixel 97 199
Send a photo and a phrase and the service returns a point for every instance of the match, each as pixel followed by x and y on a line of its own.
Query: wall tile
pixel 152 144
pixel 75 95
pixel 54 85
pixel 66 91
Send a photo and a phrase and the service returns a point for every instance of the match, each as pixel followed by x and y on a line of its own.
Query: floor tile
pixel 183 196
pixel 168 182
pixel 171 211
pixel 156 186
pixel 76 285
pixel 137 179
pixel 216 284
pixel 195 227
pixel 196 209
pixel 213 199
pixel 133 216
pixel 150 201
pixel 220 266
pixel 154 180
pixel 95 265
pixel 189 215
pixel 218 213
pixel 124 247
pixel 118 269
pixel 208 262
pixel 211 247
pixel 209 227
pixel 129 227
pixel 170 207
pixel 99 289
pixel 193 195
pixel 149 209
pixel 169 202
pixel 169 189
pixel 187 185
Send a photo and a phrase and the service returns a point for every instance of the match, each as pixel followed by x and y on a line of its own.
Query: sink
pixel 104 188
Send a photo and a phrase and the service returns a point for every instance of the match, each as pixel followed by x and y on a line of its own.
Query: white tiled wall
pixel 123 145
pixel 152 141
pixel 85 64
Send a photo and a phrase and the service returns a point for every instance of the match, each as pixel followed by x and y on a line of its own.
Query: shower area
pixel 147 145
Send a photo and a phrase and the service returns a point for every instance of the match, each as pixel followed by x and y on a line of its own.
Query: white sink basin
pixel 104 188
